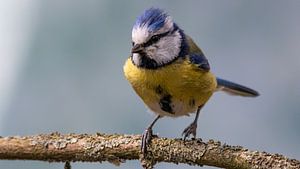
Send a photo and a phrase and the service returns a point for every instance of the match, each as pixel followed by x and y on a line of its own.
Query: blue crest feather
pixel 153 18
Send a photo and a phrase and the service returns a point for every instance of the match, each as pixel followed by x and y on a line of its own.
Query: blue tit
pixel 170 72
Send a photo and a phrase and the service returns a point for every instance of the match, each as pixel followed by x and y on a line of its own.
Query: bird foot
pixel 191 129
pixel 146 139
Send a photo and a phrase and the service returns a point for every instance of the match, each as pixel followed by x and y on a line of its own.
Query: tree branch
pixel 118 148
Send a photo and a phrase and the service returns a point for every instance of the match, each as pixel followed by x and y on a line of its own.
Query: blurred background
pixel 61 70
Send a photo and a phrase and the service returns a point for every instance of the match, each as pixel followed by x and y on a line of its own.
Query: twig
pixel 118 148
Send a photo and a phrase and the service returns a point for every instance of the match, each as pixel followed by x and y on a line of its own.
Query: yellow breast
pixel 172 90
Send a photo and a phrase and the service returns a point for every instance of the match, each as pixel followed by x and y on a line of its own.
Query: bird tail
pixel 235 89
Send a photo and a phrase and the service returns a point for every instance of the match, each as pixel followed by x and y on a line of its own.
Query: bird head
pixel 156 40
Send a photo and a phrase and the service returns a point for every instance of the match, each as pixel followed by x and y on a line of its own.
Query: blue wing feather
pixel 200 60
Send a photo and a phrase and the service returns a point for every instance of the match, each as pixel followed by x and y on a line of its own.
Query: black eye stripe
pixel 155 38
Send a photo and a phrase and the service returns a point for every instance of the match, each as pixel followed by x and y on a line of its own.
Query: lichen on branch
pixel 117 148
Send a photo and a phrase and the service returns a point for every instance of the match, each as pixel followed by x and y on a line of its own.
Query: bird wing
pixel 196 56
pixel 199 60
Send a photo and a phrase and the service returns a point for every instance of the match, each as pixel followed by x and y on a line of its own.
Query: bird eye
pixel 132 43
pixel 155 38
pixel 152 40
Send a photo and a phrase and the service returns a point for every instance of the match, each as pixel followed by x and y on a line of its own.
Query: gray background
pixel 61 70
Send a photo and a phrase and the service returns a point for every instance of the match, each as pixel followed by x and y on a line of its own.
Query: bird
pixel 170 73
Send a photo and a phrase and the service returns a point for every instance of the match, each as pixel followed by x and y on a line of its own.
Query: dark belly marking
pixel 165 104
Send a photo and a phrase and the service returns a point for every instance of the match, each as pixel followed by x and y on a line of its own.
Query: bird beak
pixel 137 48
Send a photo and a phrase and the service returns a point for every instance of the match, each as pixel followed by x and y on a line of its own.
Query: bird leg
pixel 192 128
pixel 147 136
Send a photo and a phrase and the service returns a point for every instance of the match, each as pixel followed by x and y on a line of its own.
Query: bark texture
pixel 117 148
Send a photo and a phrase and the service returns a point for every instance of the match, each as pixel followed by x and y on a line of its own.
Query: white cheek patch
pixel 140 35
pixel 166 50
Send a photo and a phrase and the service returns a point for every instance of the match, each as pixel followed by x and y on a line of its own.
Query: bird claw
pixel 191 129
pixel 146 139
